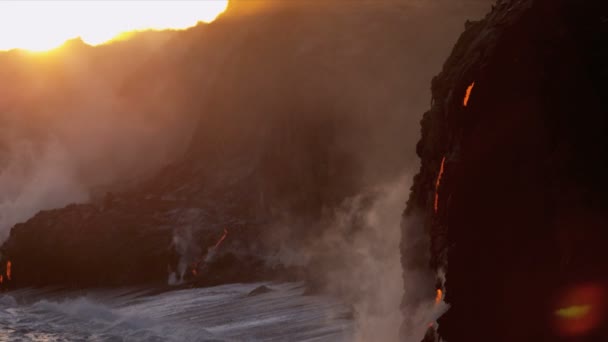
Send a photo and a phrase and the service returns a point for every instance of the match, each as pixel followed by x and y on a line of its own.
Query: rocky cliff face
pixel 512 182
pixel 297 108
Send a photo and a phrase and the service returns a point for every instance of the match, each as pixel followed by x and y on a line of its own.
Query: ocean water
pixel 222 313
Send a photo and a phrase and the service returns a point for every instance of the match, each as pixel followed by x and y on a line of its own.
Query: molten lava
pixel 9 265
pixel 438 297
pixel 438 183
pixel 196 265
pixel 468 94
pixel 219 242
pixel 1 279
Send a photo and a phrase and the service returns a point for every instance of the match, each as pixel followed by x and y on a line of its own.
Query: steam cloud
pixel 370 273
pixel 69 132
pixel 358 258
pixel 32 180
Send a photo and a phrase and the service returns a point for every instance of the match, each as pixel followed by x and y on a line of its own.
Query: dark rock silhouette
pixel 519 213
pixel 287 110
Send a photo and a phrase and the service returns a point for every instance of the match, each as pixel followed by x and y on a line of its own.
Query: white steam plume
pixel 70 130
pixel 33 180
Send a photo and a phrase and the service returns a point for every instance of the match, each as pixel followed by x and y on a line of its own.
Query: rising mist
pixel 319 106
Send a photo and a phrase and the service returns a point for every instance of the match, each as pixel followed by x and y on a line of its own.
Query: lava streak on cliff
pixel 219 242
pixel 528 206
pixel 467 95
pixel 439 296
pixel 197 264
pixel 9 266
pixel 438 183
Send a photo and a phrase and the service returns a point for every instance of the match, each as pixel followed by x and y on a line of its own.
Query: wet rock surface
pixel 519 212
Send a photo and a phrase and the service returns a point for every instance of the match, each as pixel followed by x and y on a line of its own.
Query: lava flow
pixel 438 297
pixel 219 242
pixel 438 183
pixel 468 94
pixel 9 265
pixel 196 265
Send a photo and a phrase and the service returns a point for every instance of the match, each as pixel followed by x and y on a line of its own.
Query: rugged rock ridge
pixel 512 183
pixel 295 114
pixel 131 239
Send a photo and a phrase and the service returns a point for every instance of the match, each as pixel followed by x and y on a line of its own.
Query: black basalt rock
pixel 520 217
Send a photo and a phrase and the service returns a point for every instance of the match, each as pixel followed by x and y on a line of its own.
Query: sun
pixel 47 24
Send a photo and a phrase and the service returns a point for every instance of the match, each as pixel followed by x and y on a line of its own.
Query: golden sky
pixel 39 25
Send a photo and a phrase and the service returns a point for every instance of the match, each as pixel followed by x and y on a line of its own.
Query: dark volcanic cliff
pixel 286 110
pixel 513 179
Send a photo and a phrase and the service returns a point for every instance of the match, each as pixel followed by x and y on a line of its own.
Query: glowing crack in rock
pixel 438 297
pixel 467 95
pixel 438 183
pixel 219 242
pixel 196 265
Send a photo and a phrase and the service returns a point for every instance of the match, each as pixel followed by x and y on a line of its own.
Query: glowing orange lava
pixel 9 265
pixel 196 265
pixel 1 279
pixel 468 94
pixel 438 183
pixel 222 238
pixel 439 296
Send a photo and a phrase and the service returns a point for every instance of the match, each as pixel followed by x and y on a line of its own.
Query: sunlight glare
pixel 44 25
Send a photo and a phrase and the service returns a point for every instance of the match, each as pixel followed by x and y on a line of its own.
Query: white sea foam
pixel 223 313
